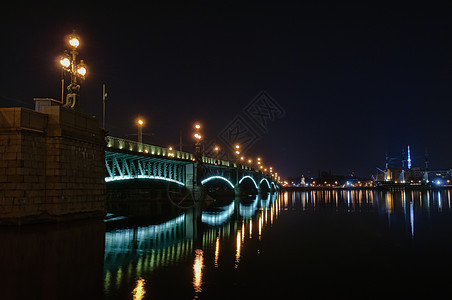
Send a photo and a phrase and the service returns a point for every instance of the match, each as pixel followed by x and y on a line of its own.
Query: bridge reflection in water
pixel 133 252
pixel 344 240
pixel 241 236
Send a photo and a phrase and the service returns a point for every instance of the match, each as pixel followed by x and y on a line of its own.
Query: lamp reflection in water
pixel 139 291
pixel 217 251
pixel 389 203
pixel 412 218
pixel 197 270
pixel 260 227
pixel 238 249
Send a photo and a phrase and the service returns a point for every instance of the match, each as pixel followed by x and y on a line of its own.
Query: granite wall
pixel 52 165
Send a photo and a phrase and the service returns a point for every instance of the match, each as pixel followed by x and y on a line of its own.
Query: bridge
pixel 128 160
pixel 55 163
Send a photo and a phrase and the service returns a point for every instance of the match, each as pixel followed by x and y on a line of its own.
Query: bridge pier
pixel 52 165
pixel 193 181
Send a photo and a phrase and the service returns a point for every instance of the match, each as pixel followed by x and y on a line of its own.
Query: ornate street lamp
pixel 76 69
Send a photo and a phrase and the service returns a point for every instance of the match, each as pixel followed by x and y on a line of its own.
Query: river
pixel 306 244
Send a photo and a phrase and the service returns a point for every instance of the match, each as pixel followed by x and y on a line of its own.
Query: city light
pixel 197 135
pixel 65 62
pixel 139 291
pixel 237 150
pixel 409 158
pixel 140 130
pixel 81 68
pixel 197 270
pixel 76 69
pixel 170 152
pixel 74 41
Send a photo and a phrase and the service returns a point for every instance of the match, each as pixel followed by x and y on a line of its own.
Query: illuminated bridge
pixel 126 160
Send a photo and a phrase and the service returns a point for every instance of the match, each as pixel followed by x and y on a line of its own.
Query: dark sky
pixel 354 81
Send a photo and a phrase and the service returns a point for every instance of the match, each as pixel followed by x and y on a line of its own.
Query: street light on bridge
pixel 198 138
pixel 140 130
pixel 170 152
pixel 76 69
pixel 216 149
pixel 237 149
pixel 237 152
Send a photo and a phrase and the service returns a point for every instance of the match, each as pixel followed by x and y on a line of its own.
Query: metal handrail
pixel 128 145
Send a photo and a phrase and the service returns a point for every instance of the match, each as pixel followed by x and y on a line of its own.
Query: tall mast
pixel 409 158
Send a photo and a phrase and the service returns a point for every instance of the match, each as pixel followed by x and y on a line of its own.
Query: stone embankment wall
pixel 52 165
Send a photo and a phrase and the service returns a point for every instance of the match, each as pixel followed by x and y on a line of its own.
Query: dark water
pixel 319 244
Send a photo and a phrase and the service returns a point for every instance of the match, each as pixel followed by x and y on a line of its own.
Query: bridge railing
pixel 128 145
pixel 118 143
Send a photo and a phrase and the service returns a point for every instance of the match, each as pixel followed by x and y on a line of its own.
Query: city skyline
pixel 354 82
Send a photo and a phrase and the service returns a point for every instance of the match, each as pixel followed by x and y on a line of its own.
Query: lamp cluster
pixel 197 134
pixel 76 69
pixel 69 59
pixel 198 137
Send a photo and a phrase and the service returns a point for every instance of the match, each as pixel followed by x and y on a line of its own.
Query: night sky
pixel 354 81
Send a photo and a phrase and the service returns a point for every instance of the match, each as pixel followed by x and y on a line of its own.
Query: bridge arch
pixel 249 178
pixel 132 177
pixel 266 181
pixel 204 181
pixel 274 186
pixel 264 186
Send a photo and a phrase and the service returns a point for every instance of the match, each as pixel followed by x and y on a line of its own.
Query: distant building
pixel 411 174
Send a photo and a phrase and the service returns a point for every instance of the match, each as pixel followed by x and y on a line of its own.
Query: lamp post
pixel 198 138
pixel 237 160
pixel 216 149
pixel 140 131
pixel 76 69
pixel 237 151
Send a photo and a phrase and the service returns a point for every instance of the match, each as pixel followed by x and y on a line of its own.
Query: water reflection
pixel 206 252
pixel 354 200
pixel 197 270
pixel 132 253
pixel 396 205
pixel 238 248
pixel 139 291
pixel 217 251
